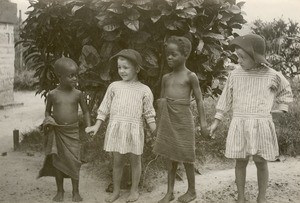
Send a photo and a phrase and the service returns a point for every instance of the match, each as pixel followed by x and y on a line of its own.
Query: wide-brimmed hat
pixel 132 55
pixel 254 45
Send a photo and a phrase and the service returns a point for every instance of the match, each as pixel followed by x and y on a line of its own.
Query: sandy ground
pixel 18 171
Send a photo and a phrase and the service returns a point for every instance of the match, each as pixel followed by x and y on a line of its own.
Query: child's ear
pixel 138 69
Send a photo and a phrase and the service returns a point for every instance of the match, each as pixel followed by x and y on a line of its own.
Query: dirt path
pixel 18 171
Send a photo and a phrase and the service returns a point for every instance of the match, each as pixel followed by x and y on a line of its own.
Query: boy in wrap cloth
pixel 61 129
pixel 175 130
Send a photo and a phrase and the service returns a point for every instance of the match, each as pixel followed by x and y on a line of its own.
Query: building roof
pixel 8 12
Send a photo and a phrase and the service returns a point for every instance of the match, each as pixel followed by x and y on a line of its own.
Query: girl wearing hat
pixel 127 102
pixel 250 92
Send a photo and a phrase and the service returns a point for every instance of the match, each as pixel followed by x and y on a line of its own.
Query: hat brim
pixel 246 46
pixel 128 56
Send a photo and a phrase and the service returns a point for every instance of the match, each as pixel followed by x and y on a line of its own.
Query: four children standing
pixel 250 91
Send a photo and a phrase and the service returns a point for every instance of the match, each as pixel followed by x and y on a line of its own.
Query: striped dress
pixel 126 103
pixel 251 95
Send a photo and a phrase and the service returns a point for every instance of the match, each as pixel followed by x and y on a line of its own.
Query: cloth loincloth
pixel 62 149
pixel 175 138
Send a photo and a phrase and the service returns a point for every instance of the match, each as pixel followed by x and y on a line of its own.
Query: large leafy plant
pixel 283 44
pixel 91 31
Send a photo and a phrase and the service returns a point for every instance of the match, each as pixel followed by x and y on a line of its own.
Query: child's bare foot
pixel 133 196
pixel 59 197
pixel 261 200
pixel 187 197
pixel 113 197
pixel 241 200
pixel 76 197
pixel 167 198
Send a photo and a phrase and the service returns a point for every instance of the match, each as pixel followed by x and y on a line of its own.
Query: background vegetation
pixel 91 31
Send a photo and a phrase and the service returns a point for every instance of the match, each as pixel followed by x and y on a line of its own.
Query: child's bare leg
pixel 59 197
pixel 240 178
pixel 262 178
pixel 76 196
pixel 172 168
pixel 136 170
pixel 117 176
pixel 190 195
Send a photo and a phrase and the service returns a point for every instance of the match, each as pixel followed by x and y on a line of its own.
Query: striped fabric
pixel 251 95
pixel 126 103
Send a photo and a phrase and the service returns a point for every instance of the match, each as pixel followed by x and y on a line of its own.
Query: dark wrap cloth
pixel 62 149
pixel 175 130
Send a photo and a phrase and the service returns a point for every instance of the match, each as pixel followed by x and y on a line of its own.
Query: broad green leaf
pixel 235 9
pixel 207 66
pixel 193 30
pixel 182 4
pixel 214 36
pixel 140 37
pixel 127 5
pixel 151 58
pixel 76 8
pixel 146 7
pixel 155 16
pixel 111 27
pixel 170 24
pixel 132 24
pixel 241 4
pixel 116 8
pixel 141 2
pixel 201 76
pixel 133 14
pixel 111 36
pixel 187 13
pixel 200 46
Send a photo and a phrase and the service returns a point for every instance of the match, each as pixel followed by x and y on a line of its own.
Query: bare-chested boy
pixel 61 129
pixel 175 131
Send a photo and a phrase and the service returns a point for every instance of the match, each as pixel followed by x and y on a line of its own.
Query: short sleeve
pixel 148 109
pixel 225 101
pixel 284 94
pixel 104 108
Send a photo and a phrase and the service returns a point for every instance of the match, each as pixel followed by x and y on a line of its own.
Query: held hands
pixel 92 130
pixel 213 128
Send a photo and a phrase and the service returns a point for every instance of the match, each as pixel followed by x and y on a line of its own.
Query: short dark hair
pixel 183 43
pixel 62 63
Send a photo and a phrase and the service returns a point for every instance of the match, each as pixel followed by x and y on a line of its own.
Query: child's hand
pixel 204 131
pixel 212 129
pixel 92 130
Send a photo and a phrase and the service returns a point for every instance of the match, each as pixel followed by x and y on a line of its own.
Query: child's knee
pixel 241 163
pixel 258 159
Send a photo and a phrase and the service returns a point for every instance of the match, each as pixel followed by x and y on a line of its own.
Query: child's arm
pixel 48 105
pixel 199 100
pixel 162 89
pixel 85 110
pixel 223 105
pixel 284 94
pixel 148 110
pixel 102 112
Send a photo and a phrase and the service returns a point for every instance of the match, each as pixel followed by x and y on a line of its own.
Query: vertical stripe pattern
pixel 251 95
pixel 127 104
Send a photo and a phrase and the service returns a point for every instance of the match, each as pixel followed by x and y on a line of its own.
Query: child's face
pixel 174 57
pixel 69 76
pixel 126 69
pixel 245 60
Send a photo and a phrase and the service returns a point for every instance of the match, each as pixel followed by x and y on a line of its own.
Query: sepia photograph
pixel 150 101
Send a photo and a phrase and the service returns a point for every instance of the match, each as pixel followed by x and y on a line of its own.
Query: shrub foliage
pixel 91 31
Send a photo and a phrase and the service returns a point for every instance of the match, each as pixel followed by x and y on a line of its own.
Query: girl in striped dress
pixel 250 92
pixel 127 102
